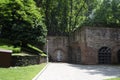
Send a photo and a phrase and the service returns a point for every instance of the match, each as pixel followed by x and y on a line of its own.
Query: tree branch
pixel 79 13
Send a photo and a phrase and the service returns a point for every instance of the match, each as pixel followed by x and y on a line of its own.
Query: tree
pixel 23 21
pixel 56 16
pixel 107 13
pixel 77 10
pixel 64 16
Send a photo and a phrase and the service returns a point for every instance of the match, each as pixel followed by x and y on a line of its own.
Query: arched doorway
pixel 104 55
pixel 118 56
pixel 59 55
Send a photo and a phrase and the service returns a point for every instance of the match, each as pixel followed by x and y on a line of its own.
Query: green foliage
pixel 43 55
pixel 64 16
pixel 56 16
pixel 16 50
pixel 77 13
pixel 106 13
pixel 113 79
pixel 37 49
pixel 22 20
pixel 6 44
pixel 11 47
pixel 25 20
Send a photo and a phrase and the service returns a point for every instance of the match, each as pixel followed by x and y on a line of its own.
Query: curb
pixel 36 77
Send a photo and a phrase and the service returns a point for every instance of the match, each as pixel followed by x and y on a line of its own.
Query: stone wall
pixel 97 38
pixel 91 39
pixel 43 59
pixel 78 46
pixel 57 48
pixel 27 60
pixel 75 53
pixel 85 45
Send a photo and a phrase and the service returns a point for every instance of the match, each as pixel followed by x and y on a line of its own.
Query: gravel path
pixel 65 71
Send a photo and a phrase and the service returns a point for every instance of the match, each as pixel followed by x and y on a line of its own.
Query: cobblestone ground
pixel 65 71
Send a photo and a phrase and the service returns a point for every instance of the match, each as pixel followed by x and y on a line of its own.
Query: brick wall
pixel 56 44
pixel 91 39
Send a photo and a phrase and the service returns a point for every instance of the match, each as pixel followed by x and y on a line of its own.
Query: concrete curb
pixel 36 77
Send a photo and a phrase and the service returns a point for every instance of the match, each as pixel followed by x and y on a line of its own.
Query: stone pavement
pixel 65 71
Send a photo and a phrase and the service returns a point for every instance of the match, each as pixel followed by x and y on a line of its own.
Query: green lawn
pixel 114 79
pixel 20 73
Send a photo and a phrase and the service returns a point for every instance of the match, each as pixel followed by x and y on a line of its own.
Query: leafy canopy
pixel 64 16
pixel 106 13
pixel 22 20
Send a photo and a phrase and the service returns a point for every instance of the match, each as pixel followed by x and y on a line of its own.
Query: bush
pixel 24 19
pixel 16 50
pixel 5 41
pixel 7 44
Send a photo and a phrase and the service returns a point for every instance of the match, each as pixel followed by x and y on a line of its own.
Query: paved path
pixel 65 71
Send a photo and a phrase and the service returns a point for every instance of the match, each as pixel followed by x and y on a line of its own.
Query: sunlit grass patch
pixel 20 73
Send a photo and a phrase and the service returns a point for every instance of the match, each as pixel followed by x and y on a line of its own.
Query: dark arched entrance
pixel 59 56
pixel 104 55
pixel 118 56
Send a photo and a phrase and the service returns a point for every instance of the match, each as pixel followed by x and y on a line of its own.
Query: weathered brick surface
pixel 57 43
pixel 91 39
pixel 85 44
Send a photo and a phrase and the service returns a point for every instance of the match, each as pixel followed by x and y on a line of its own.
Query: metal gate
pixel 118 54
pixel 104 55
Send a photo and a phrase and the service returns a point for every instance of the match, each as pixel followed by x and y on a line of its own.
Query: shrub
pixel 16 50
pixel 7 44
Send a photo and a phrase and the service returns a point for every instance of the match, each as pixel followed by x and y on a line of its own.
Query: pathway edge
pixel 35 78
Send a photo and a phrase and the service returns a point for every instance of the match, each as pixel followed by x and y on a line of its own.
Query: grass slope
pixel 6 44
pixel 20 73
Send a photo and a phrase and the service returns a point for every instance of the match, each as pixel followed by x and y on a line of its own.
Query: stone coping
pixel 5 51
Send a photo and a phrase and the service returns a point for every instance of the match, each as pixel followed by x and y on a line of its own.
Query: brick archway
pixel 104 55
pixel 59 55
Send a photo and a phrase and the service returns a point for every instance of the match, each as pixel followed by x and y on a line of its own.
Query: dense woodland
pixel 30 21
pixel 65 16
